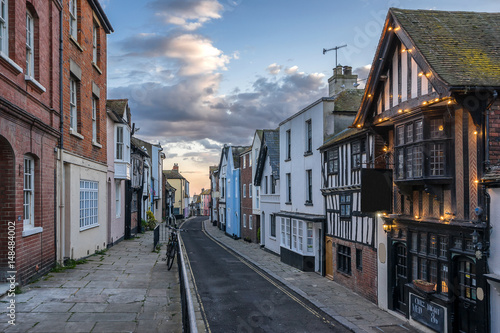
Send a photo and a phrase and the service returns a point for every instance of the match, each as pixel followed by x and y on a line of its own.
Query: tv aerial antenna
pixel 334 49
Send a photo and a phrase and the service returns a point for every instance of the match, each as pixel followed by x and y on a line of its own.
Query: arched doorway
pixel 7 201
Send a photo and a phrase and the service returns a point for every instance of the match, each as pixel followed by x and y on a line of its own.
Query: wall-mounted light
pixel 387 226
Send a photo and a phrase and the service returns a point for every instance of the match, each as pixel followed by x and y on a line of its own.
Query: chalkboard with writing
pixel 431 315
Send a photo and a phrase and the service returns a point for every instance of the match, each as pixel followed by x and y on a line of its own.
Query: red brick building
pixel 248 223
pixel 82 225
pixel 29 133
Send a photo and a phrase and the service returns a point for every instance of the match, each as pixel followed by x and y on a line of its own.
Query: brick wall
pixel 80 51
pixel 246 201
pixel 362 281
pixel 29 123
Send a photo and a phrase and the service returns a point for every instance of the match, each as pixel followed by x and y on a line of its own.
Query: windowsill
pixel 96 144
pixel 288 160
pixel 345 274
pixel 32 231
pixel 96 67
pixel 75 133
pixel 308 204
pixel 425 180
pixel 288 203
pixel 11 65
pixel 31 81
pixel 308 153
pixel 89 227
pixel 73 39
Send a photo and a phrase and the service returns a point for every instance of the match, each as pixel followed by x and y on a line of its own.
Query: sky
pixel 199 74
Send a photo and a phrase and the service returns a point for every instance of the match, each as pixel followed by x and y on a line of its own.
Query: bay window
pixel 421 149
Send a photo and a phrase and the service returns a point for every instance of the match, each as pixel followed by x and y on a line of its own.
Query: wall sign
pixel 429 314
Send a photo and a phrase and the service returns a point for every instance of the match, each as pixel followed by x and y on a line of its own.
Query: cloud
pixel 274 69
pixel 192 111
pixel 187 14
pixel 291 70
pixel 192 54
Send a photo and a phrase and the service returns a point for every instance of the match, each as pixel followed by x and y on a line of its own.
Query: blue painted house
pixel 229 169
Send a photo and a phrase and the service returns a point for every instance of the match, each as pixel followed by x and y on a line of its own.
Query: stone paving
pixel 126 289
pixel 350 309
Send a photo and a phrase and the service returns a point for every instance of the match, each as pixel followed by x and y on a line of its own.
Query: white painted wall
pixel 298 164
pixel 81 243
pixel 270 204
pixel 494 259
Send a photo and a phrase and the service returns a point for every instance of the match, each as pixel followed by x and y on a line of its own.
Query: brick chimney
pixel 176 167
pixel 342 79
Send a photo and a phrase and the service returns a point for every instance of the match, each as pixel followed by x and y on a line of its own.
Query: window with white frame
pixel 309 187
pixel 95 32
pixel 119 143
pixel 4 27
pixel 73 102
pixel 266 186
pixel 289 188
pixel 257 198
pixel 250 159
pixel 73 18
pixel 229 188
pixel 249 190
pixel 250 221
pixel 273 225
pixel 29 192
pixel 308 136
pixel 30 57
pixel 244 190
pixel 89 196
pixel 294 235
pixel 94 119
pixel 288 145
pixel 273 185
pixel 244 220
pixel 245 161
pixel 118 196
pixel 310 237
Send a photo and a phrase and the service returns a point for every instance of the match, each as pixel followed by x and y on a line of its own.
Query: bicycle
pixel 172 246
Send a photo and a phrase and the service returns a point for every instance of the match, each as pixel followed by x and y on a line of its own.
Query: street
pixel 238 297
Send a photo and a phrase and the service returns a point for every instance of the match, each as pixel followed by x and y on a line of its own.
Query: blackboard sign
pixel 431 315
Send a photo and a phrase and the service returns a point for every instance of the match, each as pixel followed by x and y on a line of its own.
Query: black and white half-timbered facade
pixel 351 231
pixel 429 94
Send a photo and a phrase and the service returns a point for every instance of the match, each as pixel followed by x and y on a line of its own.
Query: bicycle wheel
pixel 171 256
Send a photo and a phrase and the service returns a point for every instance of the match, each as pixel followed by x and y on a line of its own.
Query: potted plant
pixel 423 285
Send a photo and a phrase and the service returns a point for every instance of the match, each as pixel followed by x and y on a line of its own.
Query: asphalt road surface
pixel 237 297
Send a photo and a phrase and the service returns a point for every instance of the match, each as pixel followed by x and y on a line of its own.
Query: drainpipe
pixel 61 145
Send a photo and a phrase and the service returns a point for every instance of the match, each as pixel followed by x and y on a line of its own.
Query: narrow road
pixel 238 297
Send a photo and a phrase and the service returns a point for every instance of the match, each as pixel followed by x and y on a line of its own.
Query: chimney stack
pixel 176 167
pixel 342 79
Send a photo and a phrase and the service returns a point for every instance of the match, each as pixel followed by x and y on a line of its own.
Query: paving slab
pixel 125 289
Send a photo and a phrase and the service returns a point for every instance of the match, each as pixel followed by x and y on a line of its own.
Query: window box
pixel 424 286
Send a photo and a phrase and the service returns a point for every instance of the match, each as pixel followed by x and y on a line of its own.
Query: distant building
pixel 267 178
pixel 181 186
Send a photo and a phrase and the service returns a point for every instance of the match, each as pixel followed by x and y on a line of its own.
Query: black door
pixel 128 211
pixel 466 314
pixel 400 299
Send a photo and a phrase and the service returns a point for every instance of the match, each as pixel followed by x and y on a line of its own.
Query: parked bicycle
pixel 172 245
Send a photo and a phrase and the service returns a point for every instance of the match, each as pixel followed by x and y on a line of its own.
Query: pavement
pixel 342 304
pixel 125 289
